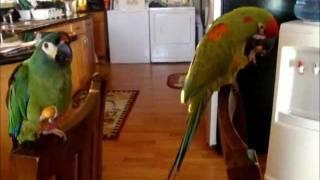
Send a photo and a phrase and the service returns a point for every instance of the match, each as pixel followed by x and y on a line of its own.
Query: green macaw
pixel 40 89
pixel 231 43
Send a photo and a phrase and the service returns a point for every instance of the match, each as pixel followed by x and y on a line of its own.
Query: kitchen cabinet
pixel 83 51
pixel 80 54
pixel 5 140
pixel 100 34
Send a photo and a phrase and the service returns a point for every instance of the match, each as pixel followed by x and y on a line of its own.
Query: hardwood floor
pixel 152 132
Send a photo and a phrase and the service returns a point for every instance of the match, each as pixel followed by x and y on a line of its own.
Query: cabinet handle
pixel 77 28
pixel 85 41
pixel 88 23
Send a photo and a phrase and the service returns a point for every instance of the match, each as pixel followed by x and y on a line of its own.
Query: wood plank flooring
pixel 151 135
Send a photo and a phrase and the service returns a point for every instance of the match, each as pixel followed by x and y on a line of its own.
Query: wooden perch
pixel 75 115
pixel 241 162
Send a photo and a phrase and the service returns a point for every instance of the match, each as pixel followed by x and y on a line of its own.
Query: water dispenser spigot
pixel 301 67
pixel 316 68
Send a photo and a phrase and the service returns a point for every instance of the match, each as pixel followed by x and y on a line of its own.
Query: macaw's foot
pixel 258 50
pixel 57 132
pixel 235 88
pixel 252 56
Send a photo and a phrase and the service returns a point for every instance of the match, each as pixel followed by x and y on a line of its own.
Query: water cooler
pixel 294 139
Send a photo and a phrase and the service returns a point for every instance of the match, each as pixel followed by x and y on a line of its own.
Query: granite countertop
pixel 25 26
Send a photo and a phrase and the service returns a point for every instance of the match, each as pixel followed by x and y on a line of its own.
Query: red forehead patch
pixel 248 19
pixel 217 32
pixel 272 28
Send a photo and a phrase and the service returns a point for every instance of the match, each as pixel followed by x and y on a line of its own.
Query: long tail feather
pixel 192 125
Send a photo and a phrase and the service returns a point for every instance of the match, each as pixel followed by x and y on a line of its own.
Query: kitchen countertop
pixel 10 60
pixel 25 26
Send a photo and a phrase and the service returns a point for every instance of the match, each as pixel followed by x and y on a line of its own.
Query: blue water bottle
pixel 307 10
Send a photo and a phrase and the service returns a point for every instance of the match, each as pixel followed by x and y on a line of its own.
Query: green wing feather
pixel 17 99
pixel 193 119
pixel 208 66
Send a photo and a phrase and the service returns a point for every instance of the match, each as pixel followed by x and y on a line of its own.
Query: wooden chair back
pixel 241 162
pixel 79 158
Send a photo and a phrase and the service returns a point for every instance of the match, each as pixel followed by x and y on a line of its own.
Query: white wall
pixel 7 1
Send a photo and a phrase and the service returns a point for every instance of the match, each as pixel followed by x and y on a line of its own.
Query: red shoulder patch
pixel 217 32
pixel 248 19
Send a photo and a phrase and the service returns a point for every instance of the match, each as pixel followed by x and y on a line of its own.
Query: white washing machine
pixel 129 36
pixel 172 34
pixel 294 139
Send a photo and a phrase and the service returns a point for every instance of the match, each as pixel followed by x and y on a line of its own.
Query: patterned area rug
pixel 176 80
pixel 117 107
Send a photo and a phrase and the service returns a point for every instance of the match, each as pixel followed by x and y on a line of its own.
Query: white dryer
pixel 172 34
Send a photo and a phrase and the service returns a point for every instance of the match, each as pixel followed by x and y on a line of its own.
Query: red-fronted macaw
pixel 231 43
pixel 40 89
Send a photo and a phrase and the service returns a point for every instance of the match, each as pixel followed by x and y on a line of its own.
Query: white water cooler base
pixel 298 160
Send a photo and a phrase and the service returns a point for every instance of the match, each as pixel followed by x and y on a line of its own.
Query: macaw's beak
pixel 64 54
pixel 258 45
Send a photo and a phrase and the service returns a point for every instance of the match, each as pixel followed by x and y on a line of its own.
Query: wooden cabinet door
pixel 86 61
pixel 5 140
pixel 90 46
pixel 77 64
pixel 82 62
pixel 99 26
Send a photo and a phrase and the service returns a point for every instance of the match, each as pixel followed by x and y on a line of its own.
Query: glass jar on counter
pixel 81 5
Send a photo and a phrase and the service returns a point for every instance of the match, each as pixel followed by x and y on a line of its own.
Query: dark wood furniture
pixel 242 162
pixel 100 34
pixel 79 158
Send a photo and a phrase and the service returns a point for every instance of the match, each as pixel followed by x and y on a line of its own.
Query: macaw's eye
pixel 46 45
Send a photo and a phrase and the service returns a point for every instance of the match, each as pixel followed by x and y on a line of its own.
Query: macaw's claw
pixel 252 56
pixel 56 132
pixel 235 88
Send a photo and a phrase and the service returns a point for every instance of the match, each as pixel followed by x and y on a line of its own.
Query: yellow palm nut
pixel 48 112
